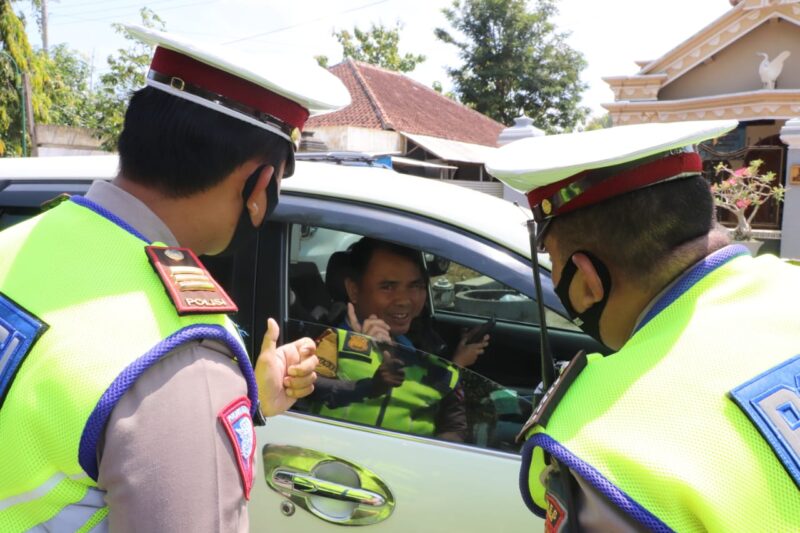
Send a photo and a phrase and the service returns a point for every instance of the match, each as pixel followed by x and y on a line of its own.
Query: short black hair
pixel 636 231
pixel 362 251
pixel 182 148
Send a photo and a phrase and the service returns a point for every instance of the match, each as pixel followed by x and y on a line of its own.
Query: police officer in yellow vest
pixel 693 423
pixel 379 378
pixel 128 399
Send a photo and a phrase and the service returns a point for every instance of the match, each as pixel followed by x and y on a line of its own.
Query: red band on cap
pixel 626 181
pixel 171 63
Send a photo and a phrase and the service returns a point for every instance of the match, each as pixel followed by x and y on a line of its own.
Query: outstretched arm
pixel 284 373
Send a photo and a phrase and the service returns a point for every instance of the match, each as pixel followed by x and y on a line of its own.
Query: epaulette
pixel 190 286
pixel 327 353
pixel 541 414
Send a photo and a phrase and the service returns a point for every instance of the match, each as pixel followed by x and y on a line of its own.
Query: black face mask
pixel 245 233
pixel 589 320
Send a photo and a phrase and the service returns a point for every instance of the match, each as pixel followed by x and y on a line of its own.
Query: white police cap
pixel 276 93
pixel 562 173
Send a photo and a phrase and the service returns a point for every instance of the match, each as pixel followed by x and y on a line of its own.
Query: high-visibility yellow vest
pixel 412 407
pixel 81 303
pixel 655 427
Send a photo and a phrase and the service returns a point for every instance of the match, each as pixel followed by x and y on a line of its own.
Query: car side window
pixel 10 217
pixel 409 385
pixel 394 387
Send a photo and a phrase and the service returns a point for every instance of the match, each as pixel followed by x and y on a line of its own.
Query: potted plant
pixel 742 192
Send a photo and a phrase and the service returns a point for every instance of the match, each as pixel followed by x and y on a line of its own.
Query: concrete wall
pixel 359 139
pixel 66 140
pixel 735 69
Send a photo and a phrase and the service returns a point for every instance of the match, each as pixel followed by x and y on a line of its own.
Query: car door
pixel 309 465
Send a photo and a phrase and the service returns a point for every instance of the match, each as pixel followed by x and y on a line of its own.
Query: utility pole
pixel 28 103
pixel 44 28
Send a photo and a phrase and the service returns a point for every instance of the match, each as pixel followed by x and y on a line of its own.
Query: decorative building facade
pixel 745 66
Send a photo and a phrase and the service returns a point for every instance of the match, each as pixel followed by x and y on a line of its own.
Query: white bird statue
pixel 770 70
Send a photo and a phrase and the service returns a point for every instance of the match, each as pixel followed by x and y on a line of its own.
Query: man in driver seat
pixel 370 371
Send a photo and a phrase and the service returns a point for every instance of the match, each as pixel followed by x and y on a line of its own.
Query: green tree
pixel 67 75
pixel 322 61
pixel 514 58
pixel 378 46
pixel 437 86
pixel 16 47
pixel 126 74
pixel 598 122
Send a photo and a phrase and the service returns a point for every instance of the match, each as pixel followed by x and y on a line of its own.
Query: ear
pixel 257 201
pixel 590 287
pixel 352 290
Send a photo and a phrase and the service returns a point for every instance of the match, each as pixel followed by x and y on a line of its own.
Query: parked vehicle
pixel 316 473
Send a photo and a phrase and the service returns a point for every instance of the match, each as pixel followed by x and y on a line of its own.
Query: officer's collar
pixel 686 281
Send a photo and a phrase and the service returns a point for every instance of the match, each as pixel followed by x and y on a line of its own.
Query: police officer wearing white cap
pixel 693 422
pixel 128 400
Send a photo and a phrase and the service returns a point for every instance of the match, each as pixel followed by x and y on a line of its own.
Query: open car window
pixel 459 289
pixel 394 387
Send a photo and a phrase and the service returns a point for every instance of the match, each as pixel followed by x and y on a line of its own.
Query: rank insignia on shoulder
pixel 190 286
pixel 357 343
pixel 546 406
pixel 327 353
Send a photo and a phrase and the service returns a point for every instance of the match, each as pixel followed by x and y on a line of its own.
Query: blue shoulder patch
pixel 19 331
pixel 772 402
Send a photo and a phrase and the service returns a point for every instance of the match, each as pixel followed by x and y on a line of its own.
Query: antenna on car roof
pixel 548 368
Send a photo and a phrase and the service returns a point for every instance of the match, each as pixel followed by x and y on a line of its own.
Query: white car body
pixel 436 485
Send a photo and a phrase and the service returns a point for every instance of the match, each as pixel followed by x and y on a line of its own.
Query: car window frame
pixel 422 233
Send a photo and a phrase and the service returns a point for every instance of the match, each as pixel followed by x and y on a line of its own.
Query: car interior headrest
pixel 337 271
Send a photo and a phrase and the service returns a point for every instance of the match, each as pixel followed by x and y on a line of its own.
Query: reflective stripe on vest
pixel 78 516
pixel 84 275
pixel 653 426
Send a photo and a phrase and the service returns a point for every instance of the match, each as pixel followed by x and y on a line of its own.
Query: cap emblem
pixel 547 207
pixel 177 83
pixel 175 255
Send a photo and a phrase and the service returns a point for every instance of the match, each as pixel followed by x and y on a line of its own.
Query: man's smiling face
pixel 393 289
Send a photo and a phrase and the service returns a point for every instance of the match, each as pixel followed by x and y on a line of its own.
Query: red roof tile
pixel 382 99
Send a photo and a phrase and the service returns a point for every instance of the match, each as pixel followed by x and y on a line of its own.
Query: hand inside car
pixel 390 374
pixel 284 373
pixel 467 354
pixel 372 327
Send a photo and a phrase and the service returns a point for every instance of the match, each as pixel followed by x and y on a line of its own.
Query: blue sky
pixel 612 34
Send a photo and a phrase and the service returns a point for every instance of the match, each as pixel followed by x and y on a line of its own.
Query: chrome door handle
pixel 331 488
pixel 303 483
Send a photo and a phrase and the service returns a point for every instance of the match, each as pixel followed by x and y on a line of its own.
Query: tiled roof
pixel 382 99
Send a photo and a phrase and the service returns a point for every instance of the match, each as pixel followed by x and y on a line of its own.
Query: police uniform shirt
pixel 166 463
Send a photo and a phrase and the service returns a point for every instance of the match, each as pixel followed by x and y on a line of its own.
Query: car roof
pixel 492 218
